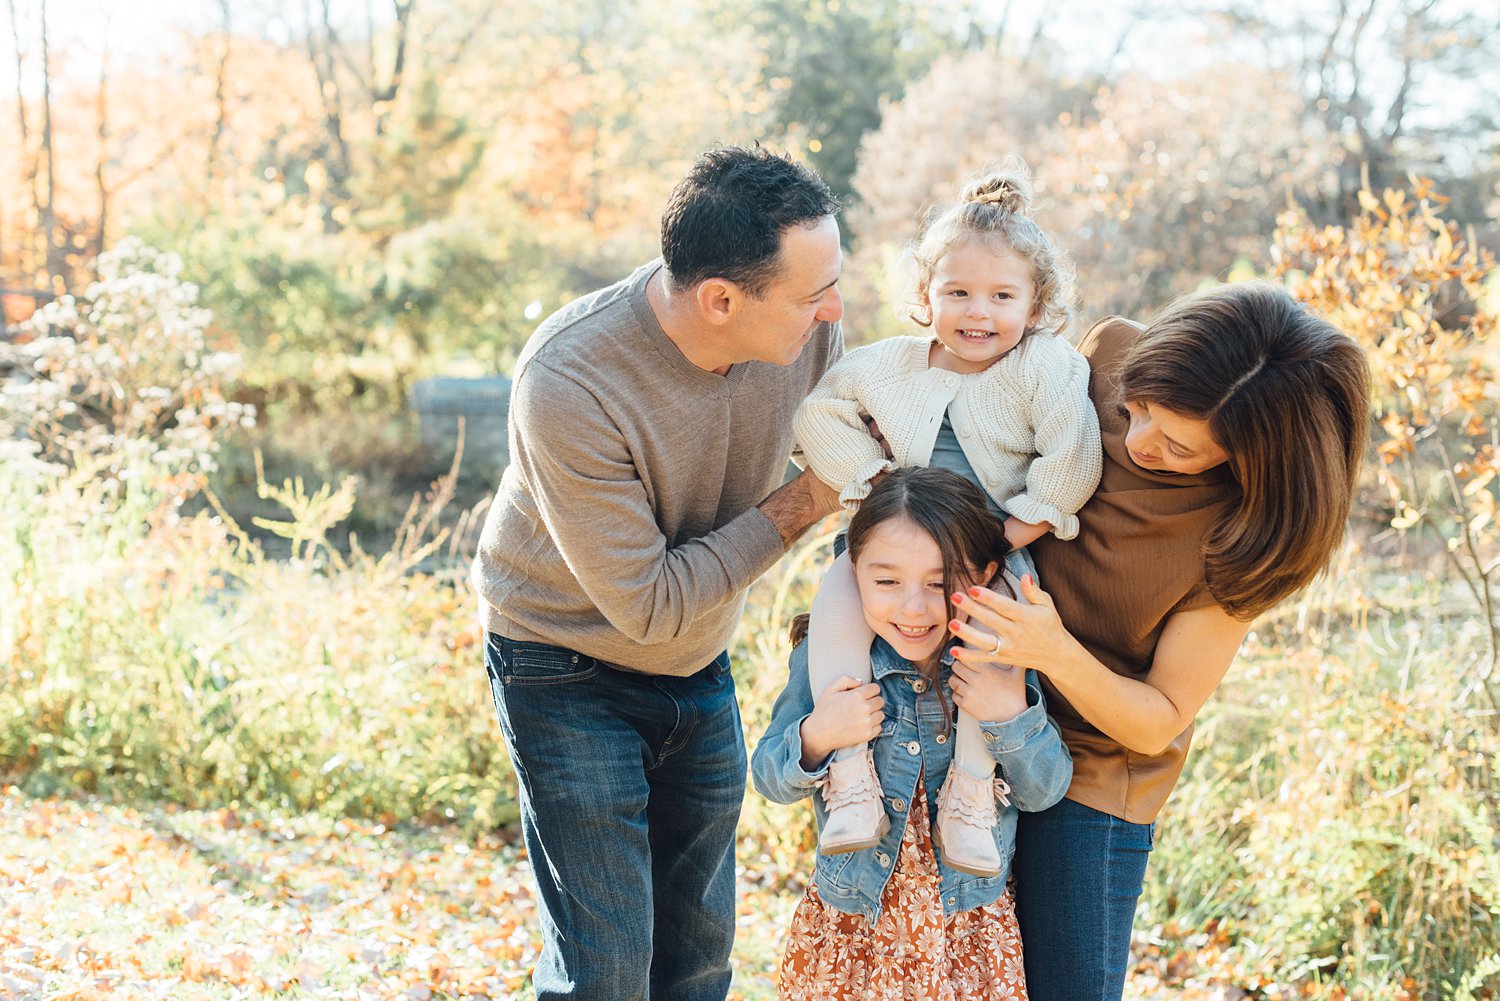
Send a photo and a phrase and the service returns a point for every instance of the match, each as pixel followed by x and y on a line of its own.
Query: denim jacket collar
pixel 886 662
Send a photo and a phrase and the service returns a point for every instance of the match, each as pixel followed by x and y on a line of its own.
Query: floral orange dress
pixel 912 952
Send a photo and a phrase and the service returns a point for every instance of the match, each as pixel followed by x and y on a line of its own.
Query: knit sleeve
pixel 591 499
pixel 831 432
pixel 1070 458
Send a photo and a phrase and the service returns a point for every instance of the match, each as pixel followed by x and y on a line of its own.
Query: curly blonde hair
pixel 995 208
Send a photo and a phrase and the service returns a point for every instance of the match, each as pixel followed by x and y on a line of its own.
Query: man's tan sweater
pixel 625 527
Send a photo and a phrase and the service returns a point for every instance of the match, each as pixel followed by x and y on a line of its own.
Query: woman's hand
pixel 847 714
pixel 992 693
pixel 1030 633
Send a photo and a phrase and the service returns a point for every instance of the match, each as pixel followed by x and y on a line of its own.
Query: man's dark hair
pixel 726 217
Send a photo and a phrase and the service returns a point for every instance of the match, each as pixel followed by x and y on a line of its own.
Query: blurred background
pixel 257 259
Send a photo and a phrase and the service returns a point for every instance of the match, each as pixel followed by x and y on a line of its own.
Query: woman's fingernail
pixel 958 599
pixel 974 592
pixel 953 626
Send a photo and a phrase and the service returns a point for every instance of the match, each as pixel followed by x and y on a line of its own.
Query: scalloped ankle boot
pixel 856 816
pixel 965 829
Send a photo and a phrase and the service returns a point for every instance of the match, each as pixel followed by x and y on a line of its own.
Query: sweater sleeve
pixel 1070 458
pixel 831 432
pixel 590 497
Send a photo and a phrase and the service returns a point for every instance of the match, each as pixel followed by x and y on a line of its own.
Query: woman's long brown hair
pixel 1286 394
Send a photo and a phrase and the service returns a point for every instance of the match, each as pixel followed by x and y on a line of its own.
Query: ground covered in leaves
pixel 106 901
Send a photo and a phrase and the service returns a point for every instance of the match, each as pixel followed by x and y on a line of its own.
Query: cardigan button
pixel 964 433
pixel 950 381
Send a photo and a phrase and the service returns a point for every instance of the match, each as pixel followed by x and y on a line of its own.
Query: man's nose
pixel 832 308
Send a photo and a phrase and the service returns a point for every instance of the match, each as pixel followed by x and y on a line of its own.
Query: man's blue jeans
pixel 1078 873
pixel 630 789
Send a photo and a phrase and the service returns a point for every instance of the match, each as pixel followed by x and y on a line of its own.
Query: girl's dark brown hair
pixel 951 510
pixel 1286 394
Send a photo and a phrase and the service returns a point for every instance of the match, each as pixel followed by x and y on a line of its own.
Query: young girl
pixel 893 919
pixel 994 394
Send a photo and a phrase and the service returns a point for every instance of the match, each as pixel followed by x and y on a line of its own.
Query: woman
pixel 1233 428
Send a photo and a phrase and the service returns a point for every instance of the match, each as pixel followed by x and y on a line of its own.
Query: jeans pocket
pixel 541 663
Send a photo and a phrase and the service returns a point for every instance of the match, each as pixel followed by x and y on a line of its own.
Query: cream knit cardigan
pixel 1025 423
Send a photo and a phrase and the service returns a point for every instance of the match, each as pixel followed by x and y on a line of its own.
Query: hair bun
pixel 1008 188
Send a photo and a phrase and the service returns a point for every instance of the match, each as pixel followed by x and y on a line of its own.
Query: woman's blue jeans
pixel 630 789
pixel 1078 873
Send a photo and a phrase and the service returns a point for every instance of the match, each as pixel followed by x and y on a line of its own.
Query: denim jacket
pixel 1029 754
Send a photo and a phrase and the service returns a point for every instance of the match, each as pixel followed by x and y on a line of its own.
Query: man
pixel 650 426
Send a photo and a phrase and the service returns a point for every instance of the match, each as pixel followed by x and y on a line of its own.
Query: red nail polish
pixel 974 591
pixel 953 626
pixel 958 599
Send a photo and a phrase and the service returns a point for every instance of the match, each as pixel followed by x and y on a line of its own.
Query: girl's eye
pixel 884 581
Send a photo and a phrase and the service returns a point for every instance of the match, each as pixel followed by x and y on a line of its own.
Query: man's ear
pixel 718 300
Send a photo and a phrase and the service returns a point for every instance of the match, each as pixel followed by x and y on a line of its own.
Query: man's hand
pixel 796 506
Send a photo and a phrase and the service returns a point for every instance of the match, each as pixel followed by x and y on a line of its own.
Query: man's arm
pixel 588 491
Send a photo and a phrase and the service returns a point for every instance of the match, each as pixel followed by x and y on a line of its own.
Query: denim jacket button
pixel 942 738
pixel 913 747
pixel 989 738
pixel 898 805
pixel 882 858
pixel 919 686
pixel 952 901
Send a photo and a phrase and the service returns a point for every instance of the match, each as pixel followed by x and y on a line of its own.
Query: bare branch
pixel 49 217
pixel 221 97
pixel 101 187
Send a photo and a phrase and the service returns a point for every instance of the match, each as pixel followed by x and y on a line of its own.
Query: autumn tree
pixel 1403 281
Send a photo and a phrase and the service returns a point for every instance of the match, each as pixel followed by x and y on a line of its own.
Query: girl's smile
pixel 902 590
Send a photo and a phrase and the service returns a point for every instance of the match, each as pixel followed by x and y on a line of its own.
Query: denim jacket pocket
pixel 543 664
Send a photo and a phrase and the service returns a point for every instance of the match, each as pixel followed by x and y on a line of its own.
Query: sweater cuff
pixel 1033 511
pixel 754 545
pixel 858 487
